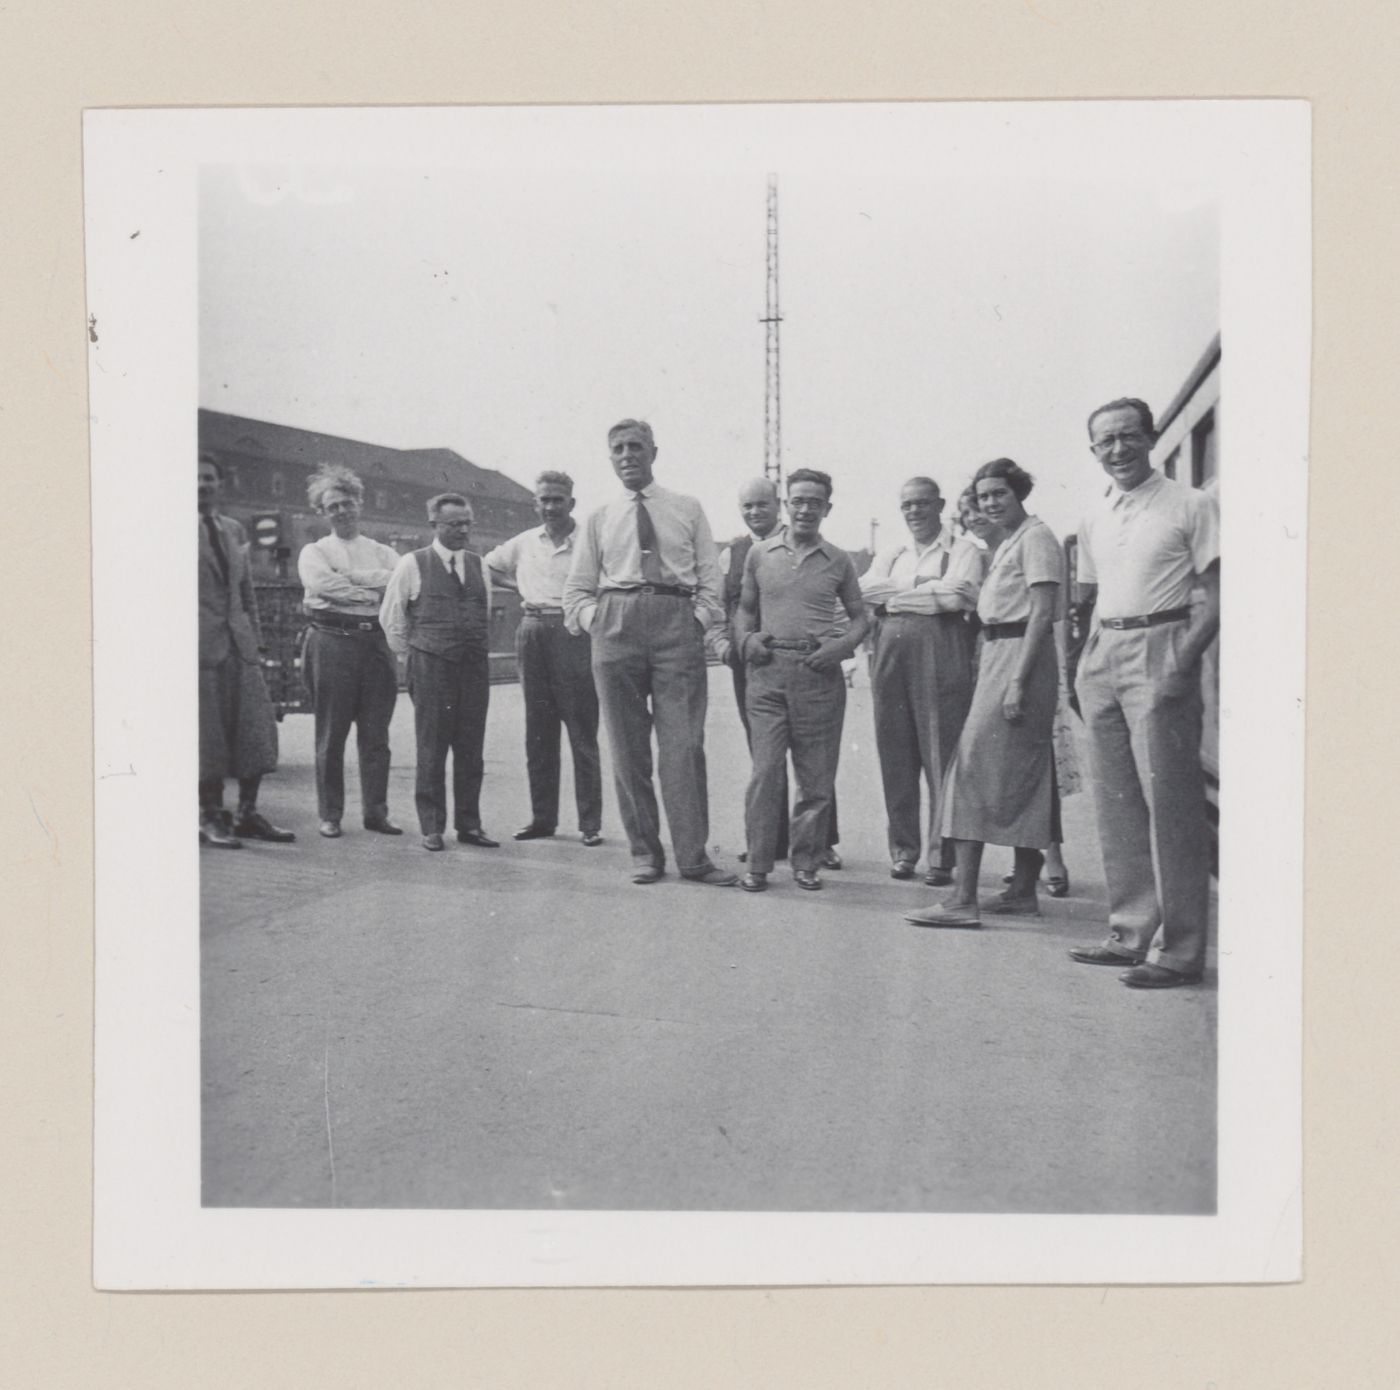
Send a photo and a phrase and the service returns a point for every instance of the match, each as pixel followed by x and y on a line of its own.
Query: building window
pixel 278 483
pixel 1203 450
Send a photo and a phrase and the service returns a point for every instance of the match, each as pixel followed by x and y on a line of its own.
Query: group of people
pixel 621 612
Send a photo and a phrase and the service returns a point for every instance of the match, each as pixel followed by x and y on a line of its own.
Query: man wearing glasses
pixel 1149 557
pixel 437 612
pixel 789 633
pixel 921 591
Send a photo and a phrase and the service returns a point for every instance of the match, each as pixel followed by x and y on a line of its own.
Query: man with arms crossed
pixel 788 632
pixel 437 611
pixel 348 668
pixel 921 680
pixel 1142 551
pixel 644 584
pixel 556 673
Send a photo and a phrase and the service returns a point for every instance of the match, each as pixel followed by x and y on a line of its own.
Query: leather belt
pixel 669 590
pixel 539 610
pixel 795 644
pixel 342 622
pixel 994 632
pixel 1167 615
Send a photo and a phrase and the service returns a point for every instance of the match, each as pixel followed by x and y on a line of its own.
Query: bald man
pixel 761 508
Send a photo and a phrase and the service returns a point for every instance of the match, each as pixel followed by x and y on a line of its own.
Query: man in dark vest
pixel 762 512
pixel 437 612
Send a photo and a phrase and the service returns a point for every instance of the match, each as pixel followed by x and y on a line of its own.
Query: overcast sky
pixel 930 323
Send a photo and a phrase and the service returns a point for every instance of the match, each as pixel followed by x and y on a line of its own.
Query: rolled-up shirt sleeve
pixel 393 612
pixel 581 587
pixel 321 580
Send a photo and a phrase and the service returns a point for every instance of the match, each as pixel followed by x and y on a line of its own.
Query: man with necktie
pixel 921 681
pixel 437 612
pixel 237 727
pixel 555 665
pixel 644 584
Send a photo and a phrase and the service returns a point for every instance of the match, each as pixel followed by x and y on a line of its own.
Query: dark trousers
pixel 833 833
pixel 922 686
pixel 649 665
pixel 793 710
pixel 449 715
pixel 556 679
pixel 351 679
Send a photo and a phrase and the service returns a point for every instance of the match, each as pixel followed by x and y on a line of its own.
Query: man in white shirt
pixel 346 663
pixel 921 680
pixel 1149 557
pixel 437 612
pixel 555 665
pixel 644 584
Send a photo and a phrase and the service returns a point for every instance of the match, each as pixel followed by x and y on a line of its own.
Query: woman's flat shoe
pixel 945 915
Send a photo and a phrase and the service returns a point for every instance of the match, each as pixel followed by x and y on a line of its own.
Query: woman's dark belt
pixel 341 622
pixel 1167 615
pixel 994 632
pixel 670 590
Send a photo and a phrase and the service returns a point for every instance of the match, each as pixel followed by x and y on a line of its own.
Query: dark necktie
pixel 217 544
pixel 452 569
pixel 652 572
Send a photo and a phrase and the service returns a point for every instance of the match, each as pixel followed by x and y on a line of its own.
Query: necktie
pixel 217 544
pixel 652 572
pixel 452 569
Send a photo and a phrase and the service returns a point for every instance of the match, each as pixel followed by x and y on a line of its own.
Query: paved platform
pixel 524 1028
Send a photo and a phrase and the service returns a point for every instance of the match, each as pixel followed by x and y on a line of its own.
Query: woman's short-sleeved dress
pixel 1000 787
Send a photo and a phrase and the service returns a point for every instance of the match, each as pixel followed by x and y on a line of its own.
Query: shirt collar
pixel 445 555
pixel 780 539
pixel 566 544
pixel 1145 489
pixel 942 541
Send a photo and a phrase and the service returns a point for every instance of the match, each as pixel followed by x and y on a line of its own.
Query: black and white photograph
pixel 737 672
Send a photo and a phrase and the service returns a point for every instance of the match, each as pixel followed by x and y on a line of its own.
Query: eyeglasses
pixel 1128 437
pixel 919 505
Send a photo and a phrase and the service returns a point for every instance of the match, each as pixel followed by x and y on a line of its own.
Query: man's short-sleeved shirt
pixel 802 593
pixel 1144 548
pixel 1029 555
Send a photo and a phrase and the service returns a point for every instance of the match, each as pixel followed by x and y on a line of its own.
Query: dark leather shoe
pixel 330 829
pixel 807 878
pixel 1100 955
pixel 534 832
pixel 938 877
pixel 647 873
pixel 432 841
pixel 902 868
pixel 215 832
pixel 831 860
pixel 1147 976
pixel 478 838
pixel 591 838
pixel 382 825
pixel 253 825
pixel 754 882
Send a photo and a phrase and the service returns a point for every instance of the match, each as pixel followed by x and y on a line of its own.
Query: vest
pixel 734 575
pixel 449 619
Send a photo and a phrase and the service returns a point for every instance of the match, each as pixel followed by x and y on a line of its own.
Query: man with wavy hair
pixel 347 666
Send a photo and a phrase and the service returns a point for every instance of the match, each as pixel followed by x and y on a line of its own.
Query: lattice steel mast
pixel 773 382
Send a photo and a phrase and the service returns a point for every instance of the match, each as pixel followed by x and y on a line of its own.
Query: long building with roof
pixel 266 468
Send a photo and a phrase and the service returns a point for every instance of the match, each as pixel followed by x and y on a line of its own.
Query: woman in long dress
pixel 1000 788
